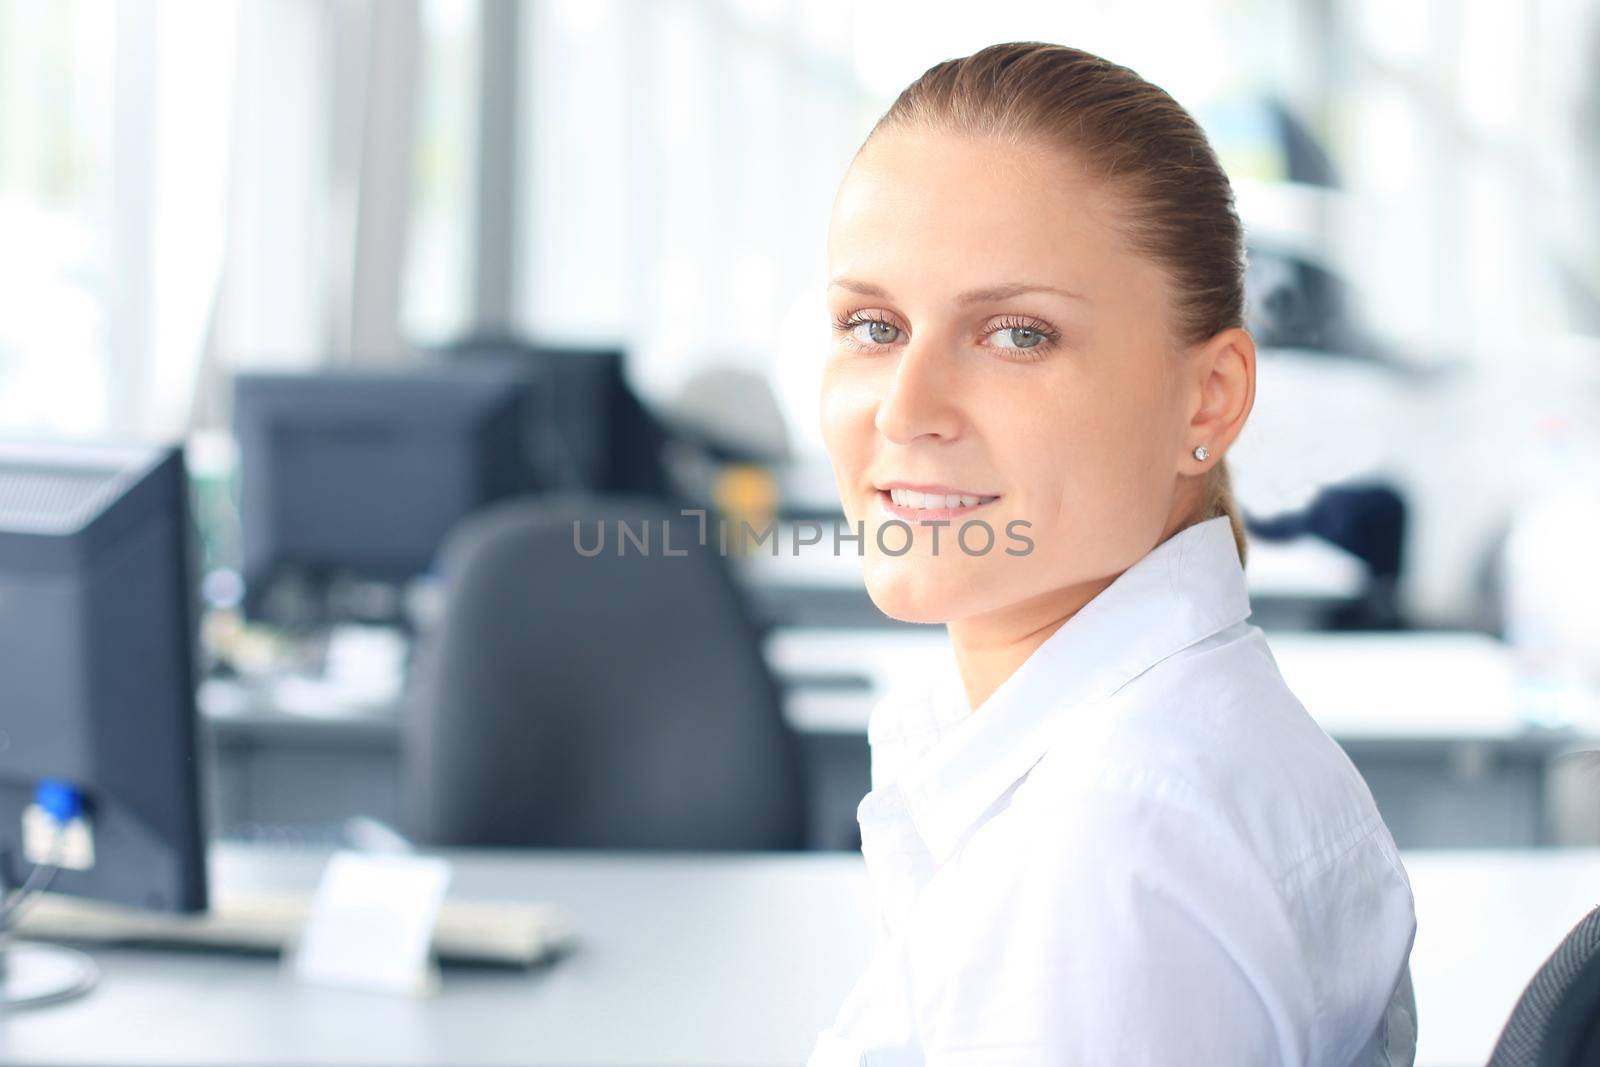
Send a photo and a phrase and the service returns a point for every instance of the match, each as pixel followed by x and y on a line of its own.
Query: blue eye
pixel 879 332
pixel 1022 337
pixel 1029 339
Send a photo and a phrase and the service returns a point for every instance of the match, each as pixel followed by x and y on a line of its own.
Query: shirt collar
pixel 1184 590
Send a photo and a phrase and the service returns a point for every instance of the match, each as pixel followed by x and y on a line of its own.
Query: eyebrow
pixel 987 295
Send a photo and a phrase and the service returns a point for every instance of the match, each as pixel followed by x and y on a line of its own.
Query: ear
pixel 1224 377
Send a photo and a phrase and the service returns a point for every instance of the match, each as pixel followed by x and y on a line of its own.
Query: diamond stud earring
pixel 1200 453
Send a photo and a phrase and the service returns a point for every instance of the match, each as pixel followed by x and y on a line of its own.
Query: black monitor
pixel 362 474
pixel 589 431
pixel 99 783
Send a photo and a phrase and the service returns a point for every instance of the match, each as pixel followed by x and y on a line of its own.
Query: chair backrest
pixel 1557 1018
pixel 618 701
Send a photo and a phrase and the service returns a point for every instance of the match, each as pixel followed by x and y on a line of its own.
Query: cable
pixel 45 973
pixel 61 802
pixel 15 904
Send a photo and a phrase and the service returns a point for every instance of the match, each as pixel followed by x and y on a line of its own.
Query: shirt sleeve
pixel 1140 930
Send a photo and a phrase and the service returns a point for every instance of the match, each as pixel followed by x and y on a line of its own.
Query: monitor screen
pixel 365 474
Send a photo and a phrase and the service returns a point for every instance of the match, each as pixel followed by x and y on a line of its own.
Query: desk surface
pixel 1405 686
pixel 700 960
pixel 684 961
pixel 1409 685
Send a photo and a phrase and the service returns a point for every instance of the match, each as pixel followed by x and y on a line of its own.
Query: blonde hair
pixel 1130 134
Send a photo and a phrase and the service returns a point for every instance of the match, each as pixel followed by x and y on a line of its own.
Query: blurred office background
pixel 622 206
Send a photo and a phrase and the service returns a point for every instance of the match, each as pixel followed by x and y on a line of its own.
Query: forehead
pixel 944 209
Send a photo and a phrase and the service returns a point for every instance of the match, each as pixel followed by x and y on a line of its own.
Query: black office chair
pixel 619 701
pixel 1366 519
pixel 1556 1022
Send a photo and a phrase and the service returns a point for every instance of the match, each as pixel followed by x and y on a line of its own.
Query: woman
pixel 1117 838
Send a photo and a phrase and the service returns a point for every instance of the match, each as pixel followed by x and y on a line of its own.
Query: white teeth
pixel 910 498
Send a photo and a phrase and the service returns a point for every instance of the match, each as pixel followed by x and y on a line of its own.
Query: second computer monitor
pixel 364 474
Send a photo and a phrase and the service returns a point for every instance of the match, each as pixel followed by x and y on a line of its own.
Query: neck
pixel 990 647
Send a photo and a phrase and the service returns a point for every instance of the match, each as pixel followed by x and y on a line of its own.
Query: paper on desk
pixel 371 923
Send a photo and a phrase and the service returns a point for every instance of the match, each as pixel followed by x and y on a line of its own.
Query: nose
pixel 921 401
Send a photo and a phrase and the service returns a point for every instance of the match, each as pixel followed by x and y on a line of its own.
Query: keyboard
pixel 482 932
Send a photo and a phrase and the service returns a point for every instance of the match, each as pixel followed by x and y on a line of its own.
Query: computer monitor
pixel 363 474
pixel 99 780
pixel 589 430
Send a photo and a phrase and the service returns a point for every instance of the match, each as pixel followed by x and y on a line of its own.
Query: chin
pixel 908 595
pixel 910 610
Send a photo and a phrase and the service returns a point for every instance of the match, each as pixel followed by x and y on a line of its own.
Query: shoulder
pixel 1121 898
pixel 1214 732
pixel 1192 847
pixel 1205 781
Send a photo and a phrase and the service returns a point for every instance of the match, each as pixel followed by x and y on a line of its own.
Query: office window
pixel 1463 127
pixel 437 299
pixel 580 81
pixel 112 199
pixel 55 209
pixel 679 159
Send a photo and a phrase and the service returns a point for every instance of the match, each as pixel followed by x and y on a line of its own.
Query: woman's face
pixel 996 342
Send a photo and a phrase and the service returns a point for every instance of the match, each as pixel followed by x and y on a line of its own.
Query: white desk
pixel 1408 685
pixel 712 960
pixel 1429 718
pixel 694 960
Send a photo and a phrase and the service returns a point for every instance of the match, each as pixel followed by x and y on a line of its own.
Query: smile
pixel 926 506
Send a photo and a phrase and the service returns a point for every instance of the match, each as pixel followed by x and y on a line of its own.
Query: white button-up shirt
pixel 1139 850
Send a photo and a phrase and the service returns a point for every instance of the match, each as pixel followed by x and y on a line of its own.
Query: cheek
pixel 846 409
pixel 847 406
pixel 1089 450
